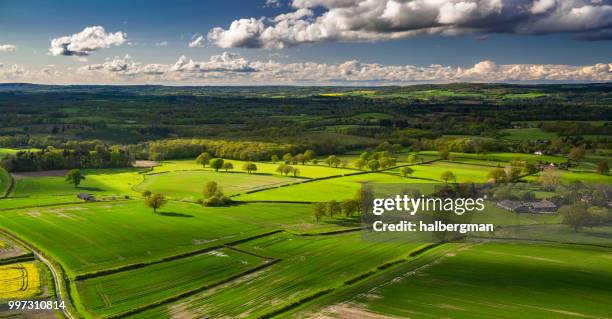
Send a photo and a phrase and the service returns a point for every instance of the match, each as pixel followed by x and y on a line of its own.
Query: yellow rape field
pixel 19 280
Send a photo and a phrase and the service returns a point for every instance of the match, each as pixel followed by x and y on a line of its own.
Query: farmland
pixel 146 234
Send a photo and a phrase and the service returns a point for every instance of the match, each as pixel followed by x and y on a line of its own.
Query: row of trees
pixel 348 207
pixel 102 156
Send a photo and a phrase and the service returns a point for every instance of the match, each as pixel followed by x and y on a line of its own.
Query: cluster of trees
pixel 239 150
pixel 376 160
pixel 301 158
pixel 512 172
pixel 219 163
pixel 102 156
pixel 287 169
pixel 348 207
pixel 581 214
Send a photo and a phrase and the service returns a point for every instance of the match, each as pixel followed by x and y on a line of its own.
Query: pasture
pixel 188 185
pixel 309 265
pixel 127 290
pixel 95 235
pixel 507 280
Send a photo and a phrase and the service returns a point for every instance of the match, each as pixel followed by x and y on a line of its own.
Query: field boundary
pixel 10 187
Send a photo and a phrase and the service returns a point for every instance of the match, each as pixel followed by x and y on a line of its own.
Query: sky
pixel 305 42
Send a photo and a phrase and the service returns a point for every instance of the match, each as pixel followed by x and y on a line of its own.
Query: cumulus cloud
pixel 83 43
pixel 7 48
pixel 232 68
pixel 197 41
pixel 379 20
pixel 162 44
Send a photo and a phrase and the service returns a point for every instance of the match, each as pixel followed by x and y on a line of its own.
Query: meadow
pixel 526 281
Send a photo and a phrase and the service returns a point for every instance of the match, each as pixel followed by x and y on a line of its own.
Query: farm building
pixel 86 197
pixel 538 207
pixel 543 206
pixel 513 206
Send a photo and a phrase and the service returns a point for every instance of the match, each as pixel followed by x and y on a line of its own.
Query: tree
pixel 309 155
pixel 249 167
pixel 296 172
pixel 288 169
pixel 349 207
pixel 332 160
pixel 577 153
pixel 203 159
pixel 228 166
pixel 281 168
pixel 217 164
pixel 274 158
pixel 365 156
pixel 146 193
pixel 602 168
pixel 550 179
pixel 75 177
pixel 300 158
pixel 155 201
pixel 413 158
pixel 333 207
pixel 444 154
pixel 448 176
pixel 211 189
pixel 287 158
pixel 498 175
pixel 406 171
pixel 319 210
pixel 575 215
pixel 361 163
pixel 373 165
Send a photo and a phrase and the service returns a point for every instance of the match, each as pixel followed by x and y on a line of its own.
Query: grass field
pixel 131 289
pixel 527 134
pixel 308 171
pixel 328 189
pixel 95 235
pixel 310 265
pixel 98 181
pixel 463 172
pixel 501 157
pixel 501 280
pixel 5 182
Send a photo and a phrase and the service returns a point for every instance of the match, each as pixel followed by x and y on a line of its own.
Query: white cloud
pixel 380 20
pixel 229 68
pixel 83 43
pixel 273 3
pixel 162 44
pixel 7 48
pixel 197 41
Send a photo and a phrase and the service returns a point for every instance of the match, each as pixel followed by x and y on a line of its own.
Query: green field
pixel 5 182
pixel 327 189
pixel 95 235
pixel 494 158
pixel 310 265
pixel 506 280
pixel 527 134
pixel 188 185
pixel 131 289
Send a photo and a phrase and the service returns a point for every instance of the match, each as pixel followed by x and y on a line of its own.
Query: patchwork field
pixel 267 256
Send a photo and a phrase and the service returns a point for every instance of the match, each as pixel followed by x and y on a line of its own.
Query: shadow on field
pixel 170 214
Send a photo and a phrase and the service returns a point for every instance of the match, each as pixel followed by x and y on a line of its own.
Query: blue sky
pixel 469 35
